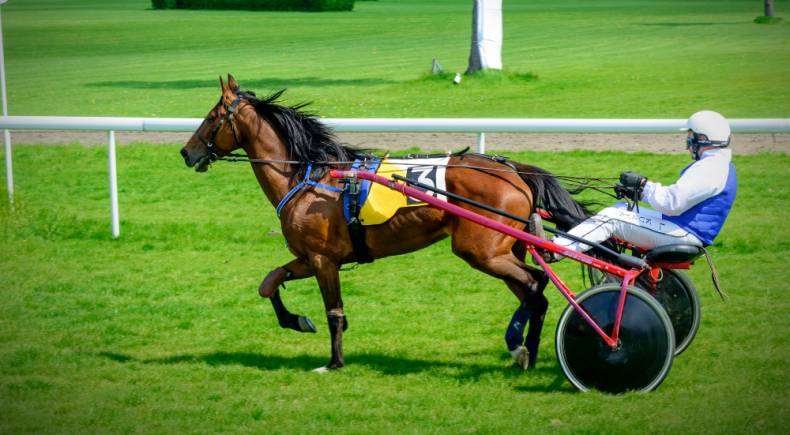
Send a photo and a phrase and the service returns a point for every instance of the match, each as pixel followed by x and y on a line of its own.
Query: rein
pixel 578 182
pixel 582 182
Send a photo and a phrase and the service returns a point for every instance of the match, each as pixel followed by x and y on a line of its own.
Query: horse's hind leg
pixel 501 259
pixel 296 269
pixel 537 305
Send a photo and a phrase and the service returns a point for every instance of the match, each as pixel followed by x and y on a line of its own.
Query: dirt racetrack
pixel 654 143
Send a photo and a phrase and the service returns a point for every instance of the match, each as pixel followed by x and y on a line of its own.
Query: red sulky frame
pixel 533 241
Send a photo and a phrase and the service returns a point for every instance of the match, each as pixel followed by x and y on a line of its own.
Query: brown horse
pixel 316 230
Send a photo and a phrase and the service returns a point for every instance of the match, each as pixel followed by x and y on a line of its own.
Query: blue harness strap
pixel 307 181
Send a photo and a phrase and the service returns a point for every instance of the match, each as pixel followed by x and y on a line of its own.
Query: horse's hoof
pixel 327 368
pixel 306 325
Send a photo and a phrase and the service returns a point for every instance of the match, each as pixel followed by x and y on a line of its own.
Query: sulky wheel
pixel 675 292
pixel 646 344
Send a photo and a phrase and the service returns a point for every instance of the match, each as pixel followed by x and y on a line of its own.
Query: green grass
pixel 768 20
pixel 162 331
pixel 593 59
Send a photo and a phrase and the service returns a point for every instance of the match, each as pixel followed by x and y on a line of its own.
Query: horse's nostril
pixel 184 153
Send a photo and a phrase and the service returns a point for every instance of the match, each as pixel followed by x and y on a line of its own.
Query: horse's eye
pixel 211 118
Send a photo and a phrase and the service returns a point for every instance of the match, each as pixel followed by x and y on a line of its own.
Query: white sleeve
pixel 698 183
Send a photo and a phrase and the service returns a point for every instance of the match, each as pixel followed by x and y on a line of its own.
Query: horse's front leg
pixel 296 269
pixel 327 273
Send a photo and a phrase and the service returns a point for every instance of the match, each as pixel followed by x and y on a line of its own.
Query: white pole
pixel 481 143
pixel 9 173
pixel 116 227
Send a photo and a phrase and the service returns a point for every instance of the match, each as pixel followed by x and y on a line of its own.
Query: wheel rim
pixel 645 351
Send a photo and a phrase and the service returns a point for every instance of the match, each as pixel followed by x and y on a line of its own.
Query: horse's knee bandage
pixel 335 312
pixel 335 317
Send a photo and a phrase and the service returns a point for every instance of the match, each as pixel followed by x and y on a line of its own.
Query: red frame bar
pixel 628 280
pixel 628 276
pixel 484 221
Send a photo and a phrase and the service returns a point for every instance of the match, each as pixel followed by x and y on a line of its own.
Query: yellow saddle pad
pixel 382 202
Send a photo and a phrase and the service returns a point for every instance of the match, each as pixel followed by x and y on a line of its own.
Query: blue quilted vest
pixel 705 219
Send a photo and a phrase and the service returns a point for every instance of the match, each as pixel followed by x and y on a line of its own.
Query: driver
pixel 691 211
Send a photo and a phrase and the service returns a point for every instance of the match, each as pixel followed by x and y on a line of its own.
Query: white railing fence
pixel 370 125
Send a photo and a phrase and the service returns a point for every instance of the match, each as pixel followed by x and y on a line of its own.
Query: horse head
pixel 217 135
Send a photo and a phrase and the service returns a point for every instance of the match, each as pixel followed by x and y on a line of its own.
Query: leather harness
pixel 355 229
pixel 354 187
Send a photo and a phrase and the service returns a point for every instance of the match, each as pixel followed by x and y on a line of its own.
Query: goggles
pixel 701 142
pixel 696 143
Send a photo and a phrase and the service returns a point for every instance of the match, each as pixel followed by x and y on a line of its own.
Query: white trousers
pixel 645 229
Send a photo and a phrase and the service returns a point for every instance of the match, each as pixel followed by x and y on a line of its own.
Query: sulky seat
pixel 673 254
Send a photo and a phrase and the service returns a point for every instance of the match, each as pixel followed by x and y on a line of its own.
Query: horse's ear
pixel 227 93
pixel 232 83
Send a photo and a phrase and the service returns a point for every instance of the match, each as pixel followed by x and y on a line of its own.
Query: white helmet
pixel 712 125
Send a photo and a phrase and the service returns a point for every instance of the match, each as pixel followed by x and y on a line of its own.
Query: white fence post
pixel 116 227
pixel 481 143
pixel 9 173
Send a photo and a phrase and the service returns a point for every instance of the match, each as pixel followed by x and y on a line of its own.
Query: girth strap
pixel 355 230
pixel 307 181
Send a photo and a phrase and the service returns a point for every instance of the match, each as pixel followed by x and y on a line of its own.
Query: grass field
pixel 162 331
pixel 665 59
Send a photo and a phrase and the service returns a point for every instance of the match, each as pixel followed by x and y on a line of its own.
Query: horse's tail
pixel 550 195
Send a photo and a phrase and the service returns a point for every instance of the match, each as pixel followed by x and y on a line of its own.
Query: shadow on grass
pixel 691 24
pixel 556 384
pixel 385 364
pixel 277 83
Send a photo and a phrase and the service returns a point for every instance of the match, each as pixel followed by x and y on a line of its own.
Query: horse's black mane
pixel 307 138
pixel 552 196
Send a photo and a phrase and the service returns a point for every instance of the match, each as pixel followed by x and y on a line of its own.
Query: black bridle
pixel 230 110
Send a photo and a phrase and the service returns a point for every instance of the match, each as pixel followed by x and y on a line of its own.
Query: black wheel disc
pixel 678 297
pixel 676 294
pixel 646 344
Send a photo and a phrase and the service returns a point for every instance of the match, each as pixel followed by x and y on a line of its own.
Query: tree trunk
pixel 486 36
pixel 474 56
pixel 769 8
